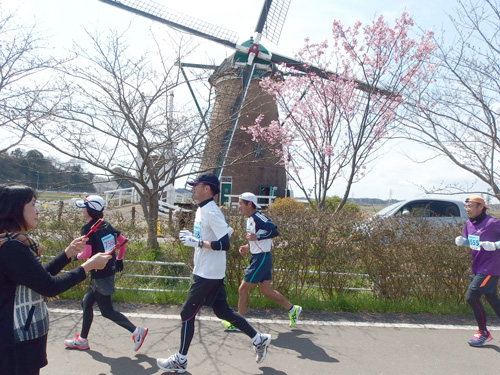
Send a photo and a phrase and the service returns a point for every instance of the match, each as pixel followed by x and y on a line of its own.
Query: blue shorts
pixel 259 269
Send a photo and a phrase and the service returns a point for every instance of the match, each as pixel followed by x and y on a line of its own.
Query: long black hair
pixel 13 198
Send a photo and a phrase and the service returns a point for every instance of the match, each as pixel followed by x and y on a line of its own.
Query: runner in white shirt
pixel 260 231
pixel 210 239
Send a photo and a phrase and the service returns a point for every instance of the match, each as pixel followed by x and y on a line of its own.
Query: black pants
pixel 483 285
pixel 208 292
pixel 106 308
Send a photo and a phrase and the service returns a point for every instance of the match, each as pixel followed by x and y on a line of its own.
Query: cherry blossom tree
pixel 330 130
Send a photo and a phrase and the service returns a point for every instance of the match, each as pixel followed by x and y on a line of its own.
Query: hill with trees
pixel 34 169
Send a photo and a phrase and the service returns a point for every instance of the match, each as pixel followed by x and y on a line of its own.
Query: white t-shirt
pixel 210 225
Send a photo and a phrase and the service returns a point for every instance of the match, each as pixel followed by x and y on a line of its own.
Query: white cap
pixel 94 202
pixel 250 197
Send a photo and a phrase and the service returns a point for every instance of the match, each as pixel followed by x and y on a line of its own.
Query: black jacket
pixel 97 240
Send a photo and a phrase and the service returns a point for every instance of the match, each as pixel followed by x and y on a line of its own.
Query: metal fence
pixel 189 278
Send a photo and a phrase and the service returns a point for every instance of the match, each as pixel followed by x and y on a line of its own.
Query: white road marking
pixel 299 323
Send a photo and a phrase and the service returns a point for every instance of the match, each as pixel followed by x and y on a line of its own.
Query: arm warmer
pixel 221 244
pixel 85 254
pixel 121 250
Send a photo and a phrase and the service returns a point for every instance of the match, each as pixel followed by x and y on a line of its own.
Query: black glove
pixel 119 265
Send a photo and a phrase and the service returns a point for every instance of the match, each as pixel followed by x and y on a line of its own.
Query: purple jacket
pixel 488 229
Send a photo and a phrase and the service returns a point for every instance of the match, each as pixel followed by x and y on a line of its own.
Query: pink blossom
pixel 330 127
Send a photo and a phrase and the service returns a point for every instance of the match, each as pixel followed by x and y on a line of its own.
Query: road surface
pixel 319 344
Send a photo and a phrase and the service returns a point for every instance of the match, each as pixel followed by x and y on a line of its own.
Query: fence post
pixel 133 216
pixel 60 211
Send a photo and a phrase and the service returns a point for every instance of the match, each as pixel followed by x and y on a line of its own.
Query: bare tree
pixel 22 84
pixel 456 116
pixel 111 113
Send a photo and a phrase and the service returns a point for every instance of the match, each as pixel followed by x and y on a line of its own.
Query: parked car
pixel 438 209
pixel 409 215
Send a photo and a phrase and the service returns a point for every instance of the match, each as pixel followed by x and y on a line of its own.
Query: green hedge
pixel 318 255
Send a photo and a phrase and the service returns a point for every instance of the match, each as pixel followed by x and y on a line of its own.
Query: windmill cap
pixel 477 199
pixel 250 197
pixel 206 178
pixel 93 202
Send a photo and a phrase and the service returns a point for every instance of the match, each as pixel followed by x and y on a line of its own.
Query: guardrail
pixel 189 278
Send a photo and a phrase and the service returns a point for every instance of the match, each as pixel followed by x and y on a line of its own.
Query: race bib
pixel 108 242
pixel 473 242
pixel 197 231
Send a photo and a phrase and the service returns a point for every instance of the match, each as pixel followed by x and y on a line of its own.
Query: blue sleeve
pixel 264 227
pixel 273 233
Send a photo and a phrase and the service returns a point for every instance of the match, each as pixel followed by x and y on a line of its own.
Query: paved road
pixel 319 344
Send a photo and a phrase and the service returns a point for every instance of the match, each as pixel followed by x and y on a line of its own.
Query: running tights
pixel 473 297
pixel 106 308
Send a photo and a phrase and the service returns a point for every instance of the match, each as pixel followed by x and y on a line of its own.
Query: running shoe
pixel 172 364
pixel 294 315
pixel 479 338
pixel 229 326
pixel 139 337
pixel 261 349
pixel 77 343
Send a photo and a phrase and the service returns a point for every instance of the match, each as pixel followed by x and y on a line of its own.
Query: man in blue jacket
pixel 260 231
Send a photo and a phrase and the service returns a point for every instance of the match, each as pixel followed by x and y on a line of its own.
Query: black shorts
pixel 105 285
pixel 205 291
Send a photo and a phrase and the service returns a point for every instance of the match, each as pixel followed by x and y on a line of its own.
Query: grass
pixel 350 301
pixel 56 196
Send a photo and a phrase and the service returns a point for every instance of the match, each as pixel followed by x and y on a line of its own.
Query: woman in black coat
pixel 25 282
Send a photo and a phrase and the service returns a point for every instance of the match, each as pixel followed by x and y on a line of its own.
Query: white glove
pixel 488 245
pixel 461 241
pixel 191 241
pixel 184 233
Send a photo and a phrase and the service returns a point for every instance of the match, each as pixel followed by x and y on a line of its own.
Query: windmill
pixel 239 98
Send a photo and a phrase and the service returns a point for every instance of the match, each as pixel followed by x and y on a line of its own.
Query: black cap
pixel 207 178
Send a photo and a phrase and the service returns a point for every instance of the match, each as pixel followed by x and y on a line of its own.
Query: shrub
pixel 319 256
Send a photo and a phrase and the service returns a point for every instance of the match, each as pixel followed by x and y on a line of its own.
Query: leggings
pixel 208 292
pixel 106 308
pixel 483 284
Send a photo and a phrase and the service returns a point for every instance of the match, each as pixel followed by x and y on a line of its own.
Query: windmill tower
pixel 239 98
pixel 249 166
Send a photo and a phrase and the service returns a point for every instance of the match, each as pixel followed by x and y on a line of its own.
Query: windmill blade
pixel 177 20
pixel 325 74
pixel 186 79
pixel 272 19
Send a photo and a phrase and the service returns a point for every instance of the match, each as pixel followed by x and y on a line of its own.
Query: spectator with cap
pixel 102 283
pixel 482 235
pixel 260 231
pixel 210 240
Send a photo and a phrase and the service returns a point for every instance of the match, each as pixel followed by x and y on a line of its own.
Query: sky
pixel 394 175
